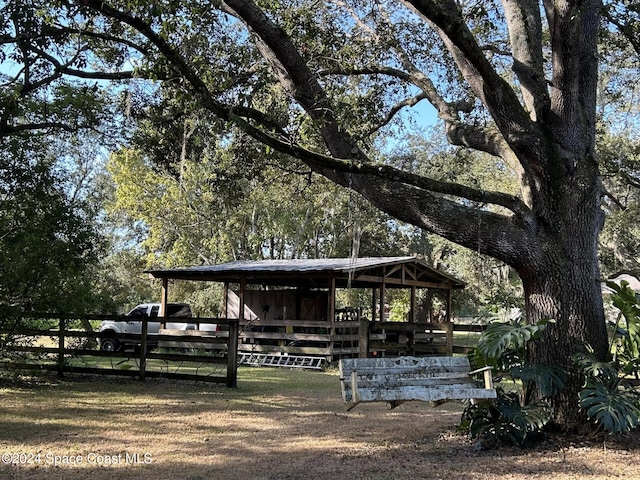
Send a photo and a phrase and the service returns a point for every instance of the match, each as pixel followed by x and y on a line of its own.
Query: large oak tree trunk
pixel 562 282
pixel 572 298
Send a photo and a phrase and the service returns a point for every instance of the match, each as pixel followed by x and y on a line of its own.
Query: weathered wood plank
pixel 388 377
pixel 435 329
pixel 308 337
pixel 197 339
pixel 396 365
pixel 425 394
pixel 253 348
pixel 364 363
pixel 399 381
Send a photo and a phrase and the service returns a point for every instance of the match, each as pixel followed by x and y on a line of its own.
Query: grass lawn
pixel 278 424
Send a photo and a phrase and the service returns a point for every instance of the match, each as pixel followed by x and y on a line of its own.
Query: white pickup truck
pixel 131 323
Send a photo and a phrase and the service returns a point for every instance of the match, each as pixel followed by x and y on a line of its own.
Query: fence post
pixel 232 353
pixel 143 347
pixel 61 346
pixel 449 329
pixel 363 342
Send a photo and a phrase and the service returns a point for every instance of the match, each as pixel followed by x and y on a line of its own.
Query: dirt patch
pixel 279 424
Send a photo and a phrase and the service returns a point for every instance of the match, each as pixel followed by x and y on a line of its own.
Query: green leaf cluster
pixel 507 340
pixel 627 301
pixel 612 405
pixel 504 421
pixel 610 395
pixel 517 416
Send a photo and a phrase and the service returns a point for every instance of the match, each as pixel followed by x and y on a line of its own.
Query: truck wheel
pixel 109 345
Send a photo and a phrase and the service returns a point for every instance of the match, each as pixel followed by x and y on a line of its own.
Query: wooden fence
pixel 59 344
pixel 352 338
pixel 67 344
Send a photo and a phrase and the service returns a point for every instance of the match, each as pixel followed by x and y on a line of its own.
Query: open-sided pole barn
pixel 289 306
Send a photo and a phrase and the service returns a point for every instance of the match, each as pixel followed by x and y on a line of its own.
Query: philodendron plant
pixel 610 396
pixel 517 415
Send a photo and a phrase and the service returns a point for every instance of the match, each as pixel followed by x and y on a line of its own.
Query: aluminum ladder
pixel 276 360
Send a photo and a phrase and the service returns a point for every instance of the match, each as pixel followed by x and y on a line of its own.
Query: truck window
pixel 178 310
pixel 138 312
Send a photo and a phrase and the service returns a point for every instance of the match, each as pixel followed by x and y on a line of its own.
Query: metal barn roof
pixel 358 272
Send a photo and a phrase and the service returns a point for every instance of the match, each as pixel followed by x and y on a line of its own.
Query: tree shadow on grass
pixel 276 425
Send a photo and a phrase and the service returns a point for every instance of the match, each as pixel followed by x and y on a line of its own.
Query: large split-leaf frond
pixel 549 379
pixel 529 418
pixel 505 421
pixel 614 407
pixel 628 302
pixel 500 337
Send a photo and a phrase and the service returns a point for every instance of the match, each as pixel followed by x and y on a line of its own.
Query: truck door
pixel 154 327
pixel 133 324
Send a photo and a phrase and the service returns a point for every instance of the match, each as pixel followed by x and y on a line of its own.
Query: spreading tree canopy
pixel 327 82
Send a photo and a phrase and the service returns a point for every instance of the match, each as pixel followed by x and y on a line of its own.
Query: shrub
pixel 609 397
pixel 514 417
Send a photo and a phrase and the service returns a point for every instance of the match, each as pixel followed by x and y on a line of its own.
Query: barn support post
pixel 164 299
pixel 449 321
pixel 331 313
pixel 232 354
pixel 383 294
pixel 363 342
pixel 241 299
pixel 412 312
pixel 374 302
pixel 449 331
pixel 225 295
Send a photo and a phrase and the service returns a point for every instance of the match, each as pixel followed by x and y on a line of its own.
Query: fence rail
pixel 353 338
pixel 55 346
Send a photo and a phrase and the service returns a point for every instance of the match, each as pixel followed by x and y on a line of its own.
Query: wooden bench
pixel 400 379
